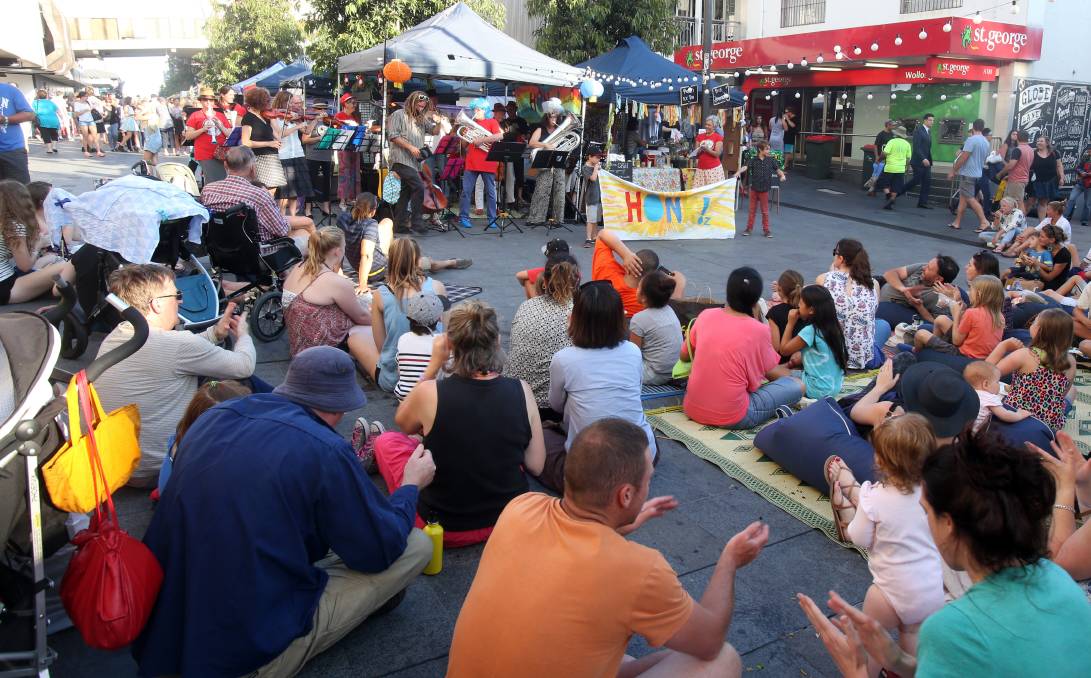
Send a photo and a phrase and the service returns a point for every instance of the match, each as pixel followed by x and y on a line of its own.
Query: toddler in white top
pixel 985 378
pixel 887 519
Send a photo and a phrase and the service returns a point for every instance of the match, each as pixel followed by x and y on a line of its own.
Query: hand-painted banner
pixel 637 213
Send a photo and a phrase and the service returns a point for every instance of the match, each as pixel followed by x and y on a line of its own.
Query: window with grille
pixel 914 6
pixel 802 12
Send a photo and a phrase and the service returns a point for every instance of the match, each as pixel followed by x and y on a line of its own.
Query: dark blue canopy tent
pixel 633 59
pixel 277 74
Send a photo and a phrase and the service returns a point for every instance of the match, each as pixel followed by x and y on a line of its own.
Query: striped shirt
pixel 7 259
pixel 414 352
pixel 161 378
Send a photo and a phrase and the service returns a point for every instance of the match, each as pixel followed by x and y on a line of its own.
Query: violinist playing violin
pixel 406 130
pixel 478 166
pixel 259 135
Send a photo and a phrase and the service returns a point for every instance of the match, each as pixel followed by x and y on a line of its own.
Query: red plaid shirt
pixel 223 195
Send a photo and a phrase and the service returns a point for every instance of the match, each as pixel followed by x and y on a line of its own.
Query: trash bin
pixel 869 163
pixel 820 155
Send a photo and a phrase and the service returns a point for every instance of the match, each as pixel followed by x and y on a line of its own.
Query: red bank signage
pixel 863 76
pixel 989 41
pixel 960 69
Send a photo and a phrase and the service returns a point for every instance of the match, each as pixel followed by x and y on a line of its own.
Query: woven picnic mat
pixel 457 293
pixel 734 453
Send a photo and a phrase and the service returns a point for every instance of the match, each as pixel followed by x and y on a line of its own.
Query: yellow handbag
pixel 68 475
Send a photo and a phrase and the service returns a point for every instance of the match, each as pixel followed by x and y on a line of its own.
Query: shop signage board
pixel 960 69
pixel 721 96
pixel 688 95
pixel 856 77
pixel 1058 111
pixel 989 41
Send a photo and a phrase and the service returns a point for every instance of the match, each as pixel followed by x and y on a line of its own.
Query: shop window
pixel 914 6
pixel 802 12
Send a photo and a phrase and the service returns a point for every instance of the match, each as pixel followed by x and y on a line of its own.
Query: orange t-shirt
pixel 981 335
pixel 558 596
pixel 605 267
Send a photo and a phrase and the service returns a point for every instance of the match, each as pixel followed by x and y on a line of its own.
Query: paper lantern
pixel 591 89
pixel 397 71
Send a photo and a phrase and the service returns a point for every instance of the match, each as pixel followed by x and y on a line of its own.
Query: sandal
pixel 839 501
pixel 954 226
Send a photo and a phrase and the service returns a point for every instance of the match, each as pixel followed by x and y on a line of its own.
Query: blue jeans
pixel 894 313
pixel 1079 194
pixel 765 401
pixel 469 183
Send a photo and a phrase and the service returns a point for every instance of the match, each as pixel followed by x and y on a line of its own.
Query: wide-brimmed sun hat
pixel 940 395
pixel 323 378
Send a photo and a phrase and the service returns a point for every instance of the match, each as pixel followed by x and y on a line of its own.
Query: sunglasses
pixel 177 296
pixel 836 253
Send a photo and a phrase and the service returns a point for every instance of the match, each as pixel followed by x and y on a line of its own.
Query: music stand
pixel 505 152
pixel 554 160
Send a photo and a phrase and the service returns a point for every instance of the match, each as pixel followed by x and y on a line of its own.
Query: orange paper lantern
pixel 397 71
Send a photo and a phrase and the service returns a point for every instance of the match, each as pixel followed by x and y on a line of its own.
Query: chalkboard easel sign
pixel 622 169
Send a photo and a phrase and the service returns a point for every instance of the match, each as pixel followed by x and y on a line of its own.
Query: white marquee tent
pixel 458 44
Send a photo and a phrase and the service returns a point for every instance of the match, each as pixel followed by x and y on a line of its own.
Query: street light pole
pixel 706 57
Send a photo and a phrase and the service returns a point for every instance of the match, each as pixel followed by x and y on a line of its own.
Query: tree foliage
pixel 576 30
pixel 246 37
pixel 181 74
pixel 340 27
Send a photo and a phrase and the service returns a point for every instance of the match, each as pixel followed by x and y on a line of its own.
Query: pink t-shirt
pixel 732 356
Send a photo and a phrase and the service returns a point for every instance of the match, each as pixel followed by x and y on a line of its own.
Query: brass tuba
pixel 565 138
pixel 469 131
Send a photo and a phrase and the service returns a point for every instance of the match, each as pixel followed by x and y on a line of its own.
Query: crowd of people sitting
pixel 275 542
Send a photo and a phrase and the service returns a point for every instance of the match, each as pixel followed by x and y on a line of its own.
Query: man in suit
pixel 921 161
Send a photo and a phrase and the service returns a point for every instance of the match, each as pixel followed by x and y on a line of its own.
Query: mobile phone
pixel 663 269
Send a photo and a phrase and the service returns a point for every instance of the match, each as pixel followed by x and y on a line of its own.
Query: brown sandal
pixel 839 501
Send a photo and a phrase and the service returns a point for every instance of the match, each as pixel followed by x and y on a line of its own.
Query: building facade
pixel 845 66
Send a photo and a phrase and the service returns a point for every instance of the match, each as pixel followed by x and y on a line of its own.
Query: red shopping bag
pixel 112 581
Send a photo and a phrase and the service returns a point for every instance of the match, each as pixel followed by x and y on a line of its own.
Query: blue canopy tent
pixel 277 74
pixel 633 59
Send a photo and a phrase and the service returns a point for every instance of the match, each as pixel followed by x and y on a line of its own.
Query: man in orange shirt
pixel 625 276
pixel 478 166
pixel 559 590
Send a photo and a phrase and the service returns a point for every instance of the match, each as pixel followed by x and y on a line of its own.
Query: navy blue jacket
pixel 262 489
pixel 922 145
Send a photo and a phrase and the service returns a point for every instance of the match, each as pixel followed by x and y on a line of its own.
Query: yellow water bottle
pixel 435 532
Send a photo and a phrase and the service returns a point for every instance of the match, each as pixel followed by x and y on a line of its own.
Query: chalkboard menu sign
pixel 622 169
pixel 721 96
pixel 1058 111
pixel 689 95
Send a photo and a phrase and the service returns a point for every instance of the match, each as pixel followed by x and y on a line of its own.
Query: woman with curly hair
pixel 18 235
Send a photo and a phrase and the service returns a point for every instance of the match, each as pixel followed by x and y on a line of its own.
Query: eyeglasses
pixel 177 296
pixel 836 253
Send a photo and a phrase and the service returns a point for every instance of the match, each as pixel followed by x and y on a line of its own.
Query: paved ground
pixel 768 628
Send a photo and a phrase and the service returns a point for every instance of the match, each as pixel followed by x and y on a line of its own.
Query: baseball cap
pixel 424 309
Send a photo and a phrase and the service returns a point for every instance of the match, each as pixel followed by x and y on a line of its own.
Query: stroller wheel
pixel 267 316
pixel 73 338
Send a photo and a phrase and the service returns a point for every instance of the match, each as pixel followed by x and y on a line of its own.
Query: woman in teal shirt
pixel 987 504
pixel 49 123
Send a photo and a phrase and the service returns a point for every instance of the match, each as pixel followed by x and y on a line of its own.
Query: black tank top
pixel 478 441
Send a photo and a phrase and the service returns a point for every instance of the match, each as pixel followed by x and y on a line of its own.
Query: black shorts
pixel 892 181
pixel 5 289
pixel 49 134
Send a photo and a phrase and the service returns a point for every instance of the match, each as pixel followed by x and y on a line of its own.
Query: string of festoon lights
pixel 840 54
pixel 670 84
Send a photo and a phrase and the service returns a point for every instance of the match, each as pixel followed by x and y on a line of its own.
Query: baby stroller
pixel 31 432
pixel 200 306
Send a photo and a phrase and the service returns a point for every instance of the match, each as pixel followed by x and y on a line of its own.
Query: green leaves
pixel 247 36
pixel 576 30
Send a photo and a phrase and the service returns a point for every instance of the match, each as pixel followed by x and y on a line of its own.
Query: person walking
pixel 895 156
pixel 48 121
pixel 969 165
pixel 921 161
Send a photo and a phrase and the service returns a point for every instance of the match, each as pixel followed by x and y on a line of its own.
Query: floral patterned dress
pixel 856 307
pixel 312 325
pixel 1042 393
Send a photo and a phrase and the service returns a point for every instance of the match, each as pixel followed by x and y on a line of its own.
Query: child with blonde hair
pixel 887 519
pixel 973 333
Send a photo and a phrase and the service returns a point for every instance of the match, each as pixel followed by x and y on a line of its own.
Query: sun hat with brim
pixel 940 395
pixel 322 378
pixel 206 93
pixel 899 131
